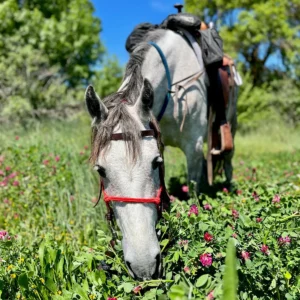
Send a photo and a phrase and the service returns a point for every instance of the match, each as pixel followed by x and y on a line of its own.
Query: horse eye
pixel 156 162
pixel 100 170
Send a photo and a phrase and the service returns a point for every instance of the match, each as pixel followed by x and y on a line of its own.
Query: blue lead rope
pixel 167 98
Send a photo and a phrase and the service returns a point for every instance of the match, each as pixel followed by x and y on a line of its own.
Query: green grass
pixel 51 211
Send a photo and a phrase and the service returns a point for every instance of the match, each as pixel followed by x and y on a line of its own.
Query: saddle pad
pixel 138 35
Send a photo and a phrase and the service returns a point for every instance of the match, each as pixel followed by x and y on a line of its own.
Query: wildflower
pixel 172 198
pixel 59 292
pixel 186 269
pixel 255 196
pixel 208 237
pixel 2 173
pixel 81 153
pixel 137 289
pixel 206 259
pixel 114 298
pixel 21 260
pixel 234 235
pixel 183 242
pixel 9 267
pixel 258 220
pixel 4 236
pixel 235 213
pixel 276 199
pixel 17 137
pixel 239 192
pixel 13 276
pixel 16 183
pixel 42 280
pixel 193 210
pixel 46 162
pixel 12 175
pixel 284 240
pixel 225 190
pixel 4 182
pixel 86 147
pixel 265 249
pixel 72 198
pixel 57 158
pixel 207 207
pixel 92 296
pixel 245 255
pixel 210 296
pixel 7 168
pixel 185 188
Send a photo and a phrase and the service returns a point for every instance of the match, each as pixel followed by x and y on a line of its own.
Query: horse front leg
pixel 195 163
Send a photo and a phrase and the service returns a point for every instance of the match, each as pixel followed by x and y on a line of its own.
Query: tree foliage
pixel 47 50
pixel 108 79
pixel 264 35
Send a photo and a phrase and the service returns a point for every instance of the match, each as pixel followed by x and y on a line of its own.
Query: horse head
pixel 129 168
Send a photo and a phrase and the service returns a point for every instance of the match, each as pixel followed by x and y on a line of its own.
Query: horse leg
pixel 195 164
pixel 229 155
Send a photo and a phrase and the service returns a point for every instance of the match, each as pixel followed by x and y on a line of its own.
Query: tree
pixel 48 50
pixel 263 35
pixel 107 80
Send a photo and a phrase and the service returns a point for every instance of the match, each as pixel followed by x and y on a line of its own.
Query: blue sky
pixel 120 17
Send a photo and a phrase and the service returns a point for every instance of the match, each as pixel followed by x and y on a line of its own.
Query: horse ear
pixel 147 96
pixel 95 106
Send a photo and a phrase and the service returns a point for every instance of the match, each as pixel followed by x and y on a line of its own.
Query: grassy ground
pixel 48 203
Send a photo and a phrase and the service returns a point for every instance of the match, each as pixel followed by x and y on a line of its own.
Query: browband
pixel 120 136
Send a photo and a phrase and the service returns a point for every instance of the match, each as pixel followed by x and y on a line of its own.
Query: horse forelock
pixel 116 103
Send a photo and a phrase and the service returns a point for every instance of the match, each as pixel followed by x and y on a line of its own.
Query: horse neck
pixel 181 60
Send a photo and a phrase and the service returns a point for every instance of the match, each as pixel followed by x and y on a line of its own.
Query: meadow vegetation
pixel 55 245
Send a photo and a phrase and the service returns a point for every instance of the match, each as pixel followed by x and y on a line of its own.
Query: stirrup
pixel 226 140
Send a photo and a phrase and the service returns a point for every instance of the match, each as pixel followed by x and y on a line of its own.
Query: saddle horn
pixel 179 7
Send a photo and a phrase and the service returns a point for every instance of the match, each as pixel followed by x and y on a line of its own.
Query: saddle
pixel 220 135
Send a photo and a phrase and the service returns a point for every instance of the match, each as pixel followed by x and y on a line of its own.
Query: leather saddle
pixel 183 20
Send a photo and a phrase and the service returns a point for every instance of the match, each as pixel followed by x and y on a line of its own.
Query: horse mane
pixel 116 105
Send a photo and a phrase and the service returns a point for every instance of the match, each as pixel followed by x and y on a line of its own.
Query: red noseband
pixel 107 198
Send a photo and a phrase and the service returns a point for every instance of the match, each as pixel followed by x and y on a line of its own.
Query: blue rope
pixel 167 98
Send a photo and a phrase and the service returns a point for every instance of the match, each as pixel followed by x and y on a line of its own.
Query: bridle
pixel 161 200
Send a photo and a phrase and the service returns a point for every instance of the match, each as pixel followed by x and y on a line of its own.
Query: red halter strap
pixel 107 198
